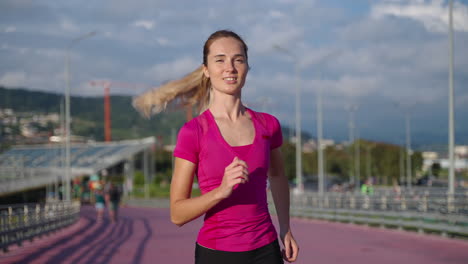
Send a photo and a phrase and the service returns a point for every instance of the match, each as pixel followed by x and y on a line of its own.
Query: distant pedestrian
pixel 99 202
pixel 113 194
pixel 367 188
pixel 234 151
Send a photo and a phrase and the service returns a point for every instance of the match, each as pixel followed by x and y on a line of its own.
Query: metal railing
pixel 23 222
pixel 424 212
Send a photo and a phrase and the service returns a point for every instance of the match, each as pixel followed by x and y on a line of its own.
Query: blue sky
pixel 387 57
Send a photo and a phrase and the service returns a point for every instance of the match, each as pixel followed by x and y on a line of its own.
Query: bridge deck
pixel 145 235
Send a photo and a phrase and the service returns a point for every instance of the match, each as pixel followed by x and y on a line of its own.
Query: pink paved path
pixel 145 235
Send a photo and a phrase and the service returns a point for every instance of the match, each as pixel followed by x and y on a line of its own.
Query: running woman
pixel 233 151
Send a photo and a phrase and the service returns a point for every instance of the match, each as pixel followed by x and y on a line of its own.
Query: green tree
pixel 436 169
pixel 139 178
pixel 163 163
pixel 337 163
pixel 288 151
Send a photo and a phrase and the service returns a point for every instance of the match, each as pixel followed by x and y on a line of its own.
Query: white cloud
pixel 146 24
pixel 10 29
pixel 433 14
pixel 50 53
pixel 276 14
pixel 13 79
pixel 265 37
pixel 354 86
pixel 389 53
pixel 266 83
pixel 20 50
pixel 160 73
pixel 163 41
pixel 68 26
pixel 34 80
pixel 317 57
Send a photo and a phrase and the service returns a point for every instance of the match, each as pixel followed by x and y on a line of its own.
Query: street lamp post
pixel 300 184
pixel 451 189
pixel 67 115
pixel 402 165
pixel 357 160
pixel 369 160
pixel 351 109
pixel 321 175
pixel 409 152
pixel 299 180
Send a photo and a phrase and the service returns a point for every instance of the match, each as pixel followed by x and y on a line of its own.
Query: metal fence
pixel 26 221
pixel 424 212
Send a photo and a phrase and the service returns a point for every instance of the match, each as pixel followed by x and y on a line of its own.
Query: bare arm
pixel 184 208
pixel 280 191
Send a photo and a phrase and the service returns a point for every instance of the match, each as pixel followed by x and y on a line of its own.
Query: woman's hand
pixel 291 249
pixel 234 174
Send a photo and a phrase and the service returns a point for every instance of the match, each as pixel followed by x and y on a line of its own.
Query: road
pixel 145 235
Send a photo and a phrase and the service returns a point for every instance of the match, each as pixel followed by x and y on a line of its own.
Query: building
pixel 432 157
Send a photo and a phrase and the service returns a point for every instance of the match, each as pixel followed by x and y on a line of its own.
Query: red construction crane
pixel 107 107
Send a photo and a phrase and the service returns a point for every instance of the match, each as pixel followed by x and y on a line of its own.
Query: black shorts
pixel 269 254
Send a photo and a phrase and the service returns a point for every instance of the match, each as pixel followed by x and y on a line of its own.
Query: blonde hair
pixel 191 90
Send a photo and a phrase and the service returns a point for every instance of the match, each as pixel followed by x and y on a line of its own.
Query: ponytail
pixel 192 89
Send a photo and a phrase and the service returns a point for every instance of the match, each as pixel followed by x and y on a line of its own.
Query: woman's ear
pixel 205 71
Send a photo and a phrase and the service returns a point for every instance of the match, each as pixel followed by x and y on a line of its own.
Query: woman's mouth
pixel 230 80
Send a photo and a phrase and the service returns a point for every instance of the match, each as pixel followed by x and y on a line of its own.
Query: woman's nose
pixel 229 66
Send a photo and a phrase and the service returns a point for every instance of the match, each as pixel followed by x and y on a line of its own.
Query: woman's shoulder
pixel 197 123
pixel 272 125
pixel 265 118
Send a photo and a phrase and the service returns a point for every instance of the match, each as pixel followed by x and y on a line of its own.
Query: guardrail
pixel 26 221
pixel 444 214
pixel 417 211
pixel 417 190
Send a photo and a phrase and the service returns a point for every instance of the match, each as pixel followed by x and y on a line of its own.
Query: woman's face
pixel 227 66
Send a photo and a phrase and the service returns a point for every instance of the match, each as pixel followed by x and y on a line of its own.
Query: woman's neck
pixel 226 106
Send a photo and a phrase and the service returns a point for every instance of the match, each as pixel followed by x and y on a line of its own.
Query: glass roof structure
pixel 25 167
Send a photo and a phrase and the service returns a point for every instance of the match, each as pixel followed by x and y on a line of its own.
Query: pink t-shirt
pixel 242 221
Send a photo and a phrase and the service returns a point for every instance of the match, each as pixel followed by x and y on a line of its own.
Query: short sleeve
pixel 187 146
pixel 275 130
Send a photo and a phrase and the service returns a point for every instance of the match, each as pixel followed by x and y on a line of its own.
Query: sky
pixel 378 60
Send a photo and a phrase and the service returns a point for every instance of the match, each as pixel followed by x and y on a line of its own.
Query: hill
pixel 88 114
